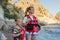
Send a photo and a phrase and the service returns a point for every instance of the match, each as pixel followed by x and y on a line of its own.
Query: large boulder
pixel 1 16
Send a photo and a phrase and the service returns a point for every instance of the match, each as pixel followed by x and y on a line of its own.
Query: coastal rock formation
pixel 58 16
pixel 40 11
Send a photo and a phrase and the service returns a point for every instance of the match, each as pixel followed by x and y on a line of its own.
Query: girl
pixel 31 24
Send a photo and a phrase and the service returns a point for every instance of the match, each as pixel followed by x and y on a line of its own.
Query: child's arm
pixel 15 35
pixel 26 21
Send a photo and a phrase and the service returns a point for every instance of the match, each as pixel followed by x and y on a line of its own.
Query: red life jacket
pixel 32 24
pixel 22 35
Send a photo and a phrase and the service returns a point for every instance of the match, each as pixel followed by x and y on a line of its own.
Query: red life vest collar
pixel 34 18
pixel 34 21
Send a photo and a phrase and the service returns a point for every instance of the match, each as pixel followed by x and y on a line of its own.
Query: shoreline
pixel 49 25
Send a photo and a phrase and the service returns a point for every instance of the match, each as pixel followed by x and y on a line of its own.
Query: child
pixel 31 24
pixel 18 31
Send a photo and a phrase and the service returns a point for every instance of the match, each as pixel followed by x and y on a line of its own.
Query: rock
pixel 1 16
pixel 40 11
pixel 58 17
pixel 2 36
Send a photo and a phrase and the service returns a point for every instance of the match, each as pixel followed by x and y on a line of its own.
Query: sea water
pixel 49 33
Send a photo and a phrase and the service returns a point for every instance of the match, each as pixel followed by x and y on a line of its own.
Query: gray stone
pixel 1 16
pixel 2 36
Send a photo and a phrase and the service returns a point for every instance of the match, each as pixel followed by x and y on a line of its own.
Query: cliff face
pixel 40 11
pixel 58 16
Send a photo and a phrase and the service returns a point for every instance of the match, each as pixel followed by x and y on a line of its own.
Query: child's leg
pixel 28 36
pixel 34 36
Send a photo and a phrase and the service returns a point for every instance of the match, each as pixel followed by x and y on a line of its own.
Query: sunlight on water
pixel 49 33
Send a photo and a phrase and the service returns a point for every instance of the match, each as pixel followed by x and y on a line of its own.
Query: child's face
pixel 31 11
pixel 19 22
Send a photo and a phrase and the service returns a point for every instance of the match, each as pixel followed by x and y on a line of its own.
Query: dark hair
pixel 17 19
pixel 27 9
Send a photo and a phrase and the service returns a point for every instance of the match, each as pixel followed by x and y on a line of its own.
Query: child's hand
pixel 18 34
pixel 28 20
pixel 15 35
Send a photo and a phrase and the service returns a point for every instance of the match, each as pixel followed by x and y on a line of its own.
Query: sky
pixel 53 6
